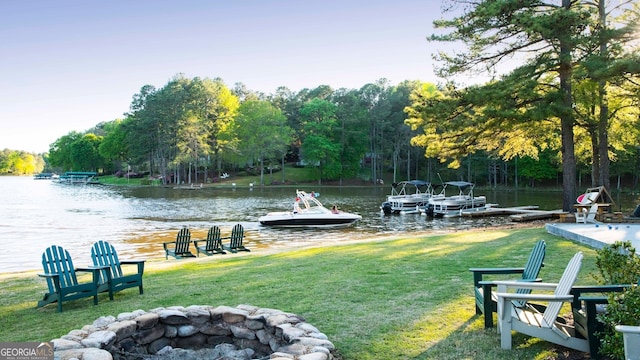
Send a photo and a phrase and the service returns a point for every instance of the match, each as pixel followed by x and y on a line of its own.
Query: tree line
pixel 567 113
pixel 17 162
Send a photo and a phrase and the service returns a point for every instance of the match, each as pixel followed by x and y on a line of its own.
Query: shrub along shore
pixel 409 297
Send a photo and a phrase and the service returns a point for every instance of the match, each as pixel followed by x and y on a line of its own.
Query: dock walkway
pixel 516 213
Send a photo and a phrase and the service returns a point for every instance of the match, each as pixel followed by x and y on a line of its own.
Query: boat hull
pixel 407 197
pixel 289 219
pixel 455 207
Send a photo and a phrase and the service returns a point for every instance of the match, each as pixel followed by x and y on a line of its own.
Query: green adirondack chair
pixel 585 309
pixel 181 247
pixel 486 301
pixel 104 254
pixel 213 243
pixel 235 240
pixel 62 281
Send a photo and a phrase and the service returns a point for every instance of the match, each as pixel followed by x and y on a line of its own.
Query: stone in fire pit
pixel 196 332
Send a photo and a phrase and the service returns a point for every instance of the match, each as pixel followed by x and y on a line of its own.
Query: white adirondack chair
pixel 533 323
pixel 584 216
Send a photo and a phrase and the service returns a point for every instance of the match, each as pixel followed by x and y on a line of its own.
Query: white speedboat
pixel 309 212
pixel 441 205
pixel 407 197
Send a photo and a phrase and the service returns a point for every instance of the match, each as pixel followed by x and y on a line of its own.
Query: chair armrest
pixel 534 297
pixel 497 270
pixel 138 263
pixel 527 285
pixel 479 272
pixel 131 262
pixel 577 292
pixel 49 275
pixel 92 268
pixel 52 277
pixel 493 282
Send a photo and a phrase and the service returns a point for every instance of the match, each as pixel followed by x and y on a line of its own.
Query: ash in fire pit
pixel 196 332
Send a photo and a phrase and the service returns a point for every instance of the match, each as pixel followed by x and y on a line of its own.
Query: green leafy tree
pixel 263 131
pixel 85 155
pixel 351 115
pixel 319 144
pixel 165 126
pixel 113 147
pixel 605 64
pixel 546 32
pixel 542 168
pixel 60 151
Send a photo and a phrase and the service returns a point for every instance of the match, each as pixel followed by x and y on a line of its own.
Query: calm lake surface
pixel 35 214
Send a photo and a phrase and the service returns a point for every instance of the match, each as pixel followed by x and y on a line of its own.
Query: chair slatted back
pixel 214 240
pixel 532 268
pixel 567 280
pixel 103 254
pixel 183 240
pixel 536 259
pixel 56 260
pixel 237 234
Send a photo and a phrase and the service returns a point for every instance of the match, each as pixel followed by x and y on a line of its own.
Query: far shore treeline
pixel 567 114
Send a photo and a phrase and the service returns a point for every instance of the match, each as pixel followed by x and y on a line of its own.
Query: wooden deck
pixel 516 213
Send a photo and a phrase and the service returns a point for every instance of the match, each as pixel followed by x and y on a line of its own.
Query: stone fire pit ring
pixel 244 332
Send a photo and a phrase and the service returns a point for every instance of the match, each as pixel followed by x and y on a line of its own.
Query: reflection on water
pixel 136 220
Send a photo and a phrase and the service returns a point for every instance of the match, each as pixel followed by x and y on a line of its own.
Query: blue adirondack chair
pixel 235 240
pixel 181 247
pixel 104 254
pixel 62 281
pixel 486 301
pixel 213 243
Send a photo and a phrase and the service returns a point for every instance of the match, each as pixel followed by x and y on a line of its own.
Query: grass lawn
pixel 404 298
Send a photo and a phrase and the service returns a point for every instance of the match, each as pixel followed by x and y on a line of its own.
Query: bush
pixel 618 264
pixel 623 309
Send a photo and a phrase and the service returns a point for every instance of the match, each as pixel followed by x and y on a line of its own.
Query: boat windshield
pixel 309 202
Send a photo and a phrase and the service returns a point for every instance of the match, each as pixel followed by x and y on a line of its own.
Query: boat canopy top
pixel 460 184
pixel 81 173
pixel 463 186
pixel 416 183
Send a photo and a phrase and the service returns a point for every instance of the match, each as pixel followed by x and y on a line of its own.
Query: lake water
pixel 35 214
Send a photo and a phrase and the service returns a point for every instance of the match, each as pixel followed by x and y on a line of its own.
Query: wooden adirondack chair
pixel 180 246
pixel 235 240
pixel 104 254
pixel 62 281
pixel 527 320
pixel 213 243
pixel 486 301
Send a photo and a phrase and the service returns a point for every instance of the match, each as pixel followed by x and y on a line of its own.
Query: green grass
pixel 405 298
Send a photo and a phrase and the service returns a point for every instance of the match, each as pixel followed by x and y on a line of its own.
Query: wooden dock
pixel 516 213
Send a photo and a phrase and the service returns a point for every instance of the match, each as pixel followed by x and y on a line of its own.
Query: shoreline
pixel 159 263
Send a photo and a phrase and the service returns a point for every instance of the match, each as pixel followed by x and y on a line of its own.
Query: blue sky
pixel 66 65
